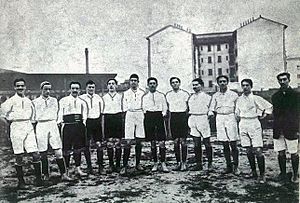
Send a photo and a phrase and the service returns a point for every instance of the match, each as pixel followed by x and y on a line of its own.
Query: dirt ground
pixel 146 186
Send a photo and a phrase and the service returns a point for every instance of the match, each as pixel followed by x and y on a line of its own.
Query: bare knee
pixel 58 154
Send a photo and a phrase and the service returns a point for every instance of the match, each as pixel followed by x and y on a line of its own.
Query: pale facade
pixel 293 67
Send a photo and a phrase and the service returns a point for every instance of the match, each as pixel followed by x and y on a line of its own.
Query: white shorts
pixel 22 137
pixel 284 144
pixel 226 128
pixel 134 125
pixel 48 133
pixel 251 133
pixel 199 126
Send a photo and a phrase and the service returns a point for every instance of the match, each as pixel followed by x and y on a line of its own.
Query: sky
pixel 51 35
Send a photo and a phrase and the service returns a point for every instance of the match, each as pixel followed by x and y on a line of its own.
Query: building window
pixel 201 48
pixel 202 72
pixel 226 46
pixel 210 83
pixel 227 70
pixel 219 59
pixel 298 76
pixel 298 67
pixel 226 58
pixel 209 48
pixel 218 47
pixel 209 59
pixel 219 71
pixel 209 71
pixel 201 60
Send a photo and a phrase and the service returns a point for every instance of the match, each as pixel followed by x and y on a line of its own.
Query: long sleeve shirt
pixel 223 103
pixel 70 105
pixel 132 100
pixel 252 106
pixel 17 108
pixel 177 101
pixel 95 105
pixel 46 109
pixel 198 103
pixel 112 103
pixel 154 102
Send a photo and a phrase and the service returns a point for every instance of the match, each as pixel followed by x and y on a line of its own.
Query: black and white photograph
pixel 149 101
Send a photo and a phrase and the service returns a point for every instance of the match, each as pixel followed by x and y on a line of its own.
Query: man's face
pixel 222 82
pixel 46 90
pixel 133 82
pixel 90 89
pixel 152 84
pixel 246 87
pixel 75 90
pixel 196 86
pixel 20 88
pixel 175 84
pixel 283 81
pixel 111 86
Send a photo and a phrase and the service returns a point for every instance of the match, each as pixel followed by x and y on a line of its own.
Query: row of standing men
pixel 88 117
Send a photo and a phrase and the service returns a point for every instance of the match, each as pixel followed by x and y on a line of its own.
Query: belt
pixel 225 113
pixel 198 114
pixel 44 121
pixel 135 110
pixel 72 118
pixel 249 117
pixel 20 120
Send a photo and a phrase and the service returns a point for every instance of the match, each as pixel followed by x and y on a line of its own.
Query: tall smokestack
pixel 86 61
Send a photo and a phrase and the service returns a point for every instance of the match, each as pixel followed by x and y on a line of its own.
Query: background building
pixel 293 67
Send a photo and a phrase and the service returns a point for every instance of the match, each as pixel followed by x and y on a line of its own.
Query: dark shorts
pixel 113 125
pixel 93 129
pixel 154 126
pixel 179 125
pixel 74 136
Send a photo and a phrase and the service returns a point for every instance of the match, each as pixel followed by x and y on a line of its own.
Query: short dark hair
pixel 113 80
pixel 172 78
pixel 247 80
pixel 199 80
pixel 90 82
pixel 75 83
pixel 19 80
pixel 134 76
pixel 223 76
pixel 44 83
pixel 151 78
pixel 288 75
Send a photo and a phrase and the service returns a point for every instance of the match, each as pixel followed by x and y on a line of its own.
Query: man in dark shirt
pixel 286 125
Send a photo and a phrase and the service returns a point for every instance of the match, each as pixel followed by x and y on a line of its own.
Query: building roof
pixel 176 26
pixel 214 38
pixel 249 21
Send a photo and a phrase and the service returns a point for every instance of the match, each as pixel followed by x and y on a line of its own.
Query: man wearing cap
pixel 177 103
pixel 198 122
pixel 134 122
pixel 223 105
pixel 155 107
pixel 47 133
pixel 19 110
pixel 113 124
pixel 286 104
pixel 249 109
pixel 93 125
pixel 72 115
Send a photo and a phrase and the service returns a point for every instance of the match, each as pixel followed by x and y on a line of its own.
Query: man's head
pixel 46 88
pixel 175 83
pixel 247 85
pixel 20 86
pixel 152 84
pixel 134 81
pixel 222 81
pixel 112 85
pixel 90 87
pixel 284 79
pixel 198 84
pixel 75 88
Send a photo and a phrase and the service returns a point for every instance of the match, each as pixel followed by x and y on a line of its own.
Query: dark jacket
pixel 286 110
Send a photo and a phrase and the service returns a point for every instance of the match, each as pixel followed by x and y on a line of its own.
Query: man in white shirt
pixel 47 133
pixel 93 125
pixel 19 110
pixel 249 108
pixel 73 114
pixel 134 122
pixel 223 105
pixel 198 122
pixel 178 108
pixel 113 124
pixel 154 105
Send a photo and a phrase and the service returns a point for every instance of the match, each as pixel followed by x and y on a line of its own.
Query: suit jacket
pixel 286 110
